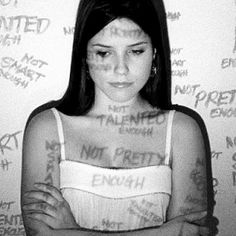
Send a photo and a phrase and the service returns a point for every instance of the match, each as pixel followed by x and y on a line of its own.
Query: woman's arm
pixel 40 164
pixel 41 154
pixel 181 225
pixel 189 191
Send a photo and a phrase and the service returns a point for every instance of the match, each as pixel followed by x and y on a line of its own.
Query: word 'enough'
pixel 144 131
pixel 7 40
pixel 129 181
pixel 25 24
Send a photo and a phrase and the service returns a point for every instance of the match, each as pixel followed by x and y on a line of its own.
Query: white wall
pixel 37 36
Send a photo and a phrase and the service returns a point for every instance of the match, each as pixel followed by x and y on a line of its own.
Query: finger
pixel 195 216
pixel 42 220
pixel 42 196
pixel 188 229
pixel 40 207
pixel 50 189
pixel 204 231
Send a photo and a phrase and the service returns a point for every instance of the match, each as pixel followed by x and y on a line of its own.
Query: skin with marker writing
pixel 95 139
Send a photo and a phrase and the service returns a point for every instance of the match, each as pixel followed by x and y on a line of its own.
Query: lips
pixel 121 85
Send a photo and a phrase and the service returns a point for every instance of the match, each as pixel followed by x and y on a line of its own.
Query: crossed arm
pixel 45 212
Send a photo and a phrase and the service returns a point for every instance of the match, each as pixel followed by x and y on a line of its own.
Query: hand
pixel 36 228
pixel 186 225
pixel 50 207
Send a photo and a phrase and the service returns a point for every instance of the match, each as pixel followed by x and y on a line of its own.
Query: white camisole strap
pixel 168 136
pixel 60 133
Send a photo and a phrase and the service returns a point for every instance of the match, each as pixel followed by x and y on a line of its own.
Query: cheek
pixel 98 68
pixel 143 67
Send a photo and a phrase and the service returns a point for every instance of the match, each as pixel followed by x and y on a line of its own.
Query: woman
pixel 112 157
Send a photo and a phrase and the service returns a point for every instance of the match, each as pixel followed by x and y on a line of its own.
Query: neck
pixel 119 108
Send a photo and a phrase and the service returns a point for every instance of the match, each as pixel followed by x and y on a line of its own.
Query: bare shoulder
pixel 43 125
pixel 188 140
pixel 185 124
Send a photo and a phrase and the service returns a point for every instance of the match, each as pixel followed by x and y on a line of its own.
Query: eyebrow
pixel 131 45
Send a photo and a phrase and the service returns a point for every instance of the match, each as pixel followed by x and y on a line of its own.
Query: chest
pixel 111 144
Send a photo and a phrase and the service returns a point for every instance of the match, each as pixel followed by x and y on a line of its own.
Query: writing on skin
pixel 141 118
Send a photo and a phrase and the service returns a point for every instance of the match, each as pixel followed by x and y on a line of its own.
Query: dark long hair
pixel 94 15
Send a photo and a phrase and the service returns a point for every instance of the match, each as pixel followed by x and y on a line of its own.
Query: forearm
pixel 84 232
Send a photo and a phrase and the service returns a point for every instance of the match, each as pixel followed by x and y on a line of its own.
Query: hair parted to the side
pixel 94 15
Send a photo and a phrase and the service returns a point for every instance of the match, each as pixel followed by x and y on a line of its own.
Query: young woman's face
pixel 119 59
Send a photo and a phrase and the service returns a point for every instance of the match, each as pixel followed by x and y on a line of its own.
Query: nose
pixel 121 65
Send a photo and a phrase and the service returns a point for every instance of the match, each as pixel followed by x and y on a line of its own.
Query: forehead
pixel 122 28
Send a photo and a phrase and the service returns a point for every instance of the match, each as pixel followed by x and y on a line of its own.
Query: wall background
pixel 35 49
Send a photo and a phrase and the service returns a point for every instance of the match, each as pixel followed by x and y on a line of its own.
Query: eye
pixel 103 54
pixel 137 51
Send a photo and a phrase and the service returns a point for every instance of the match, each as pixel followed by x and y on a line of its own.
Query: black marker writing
pixel 92 152
pixel 31 60
pixel 178 62
pixel 11 225
pixel 99 67
pixel 7 40
pixel 186 89
pixel 22 67
pixel 123 33
pixel 9 142
pixel 6 205
pixel 215 97
pixel 176 51
pixel 142 118
pixel 144 213
pixel 53 155
pixel 68 30
pixel 23 71
pixel 111 225
pixel 197 177
pixel 4 164
pixel 117 109
pixel 144 131
pixel 24 24
pixel 8 2
pixel 129 181
pixel 137 158
pixel 230 142
pixel 228 62
pixel 223 112
pixel 173 16
pixel 180 73
pixel 216 155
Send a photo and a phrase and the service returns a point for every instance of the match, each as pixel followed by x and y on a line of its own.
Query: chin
pixel 121 99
